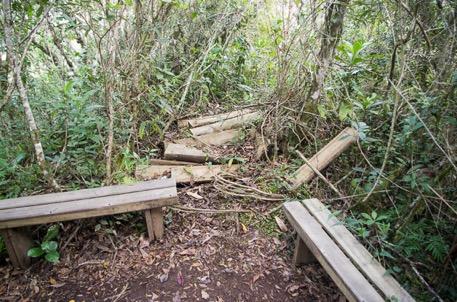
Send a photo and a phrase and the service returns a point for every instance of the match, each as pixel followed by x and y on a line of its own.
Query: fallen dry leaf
pixel 282 226
pixel 180 278
pixel 205 295
pixel 194 195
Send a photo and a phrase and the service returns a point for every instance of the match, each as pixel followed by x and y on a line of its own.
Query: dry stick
pixel 442 199
pixel 319 174
pixel 70 238
pixel 426 127
pixel 219 177
pixel 421 278
pixel 355 195
pixel 207 211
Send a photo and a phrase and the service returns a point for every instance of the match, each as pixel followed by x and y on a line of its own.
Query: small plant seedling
pixel 48 247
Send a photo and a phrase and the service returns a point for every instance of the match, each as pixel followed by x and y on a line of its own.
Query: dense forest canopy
pixel 90 88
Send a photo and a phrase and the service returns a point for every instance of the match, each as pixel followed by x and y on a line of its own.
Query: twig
pixel 425 126
pixel 418 274
pixel 208 211
pixel 319 174
pixel 71 237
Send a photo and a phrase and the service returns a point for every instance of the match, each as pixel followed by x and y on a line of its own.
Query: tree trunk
pixel 15 66
pixel 330 36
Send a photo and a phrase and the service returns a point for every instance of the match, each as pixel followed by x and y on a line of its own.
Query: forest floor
pixel 202 257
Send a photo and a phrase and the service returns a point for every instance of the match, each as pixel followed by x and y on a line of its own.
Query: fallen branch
pixel 236 189
pixel 319 174
pixel 207 211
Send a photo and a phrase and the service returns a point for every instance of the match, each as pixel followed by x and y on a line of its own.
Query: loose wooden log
pixel 226 124
pixel 196 122
pixel 17 244
pixel 185 153
pixel 324 157
pixel 219 138
pixel 185 174
pixel 164 162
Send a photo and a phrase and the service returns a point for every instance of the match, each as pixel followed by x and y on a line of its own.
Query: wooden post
pixel 17 244
pixel 154 223
pixel 302 255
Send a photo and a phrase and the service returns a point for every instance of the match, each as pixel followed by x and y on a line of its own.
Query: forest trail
pixel 215 248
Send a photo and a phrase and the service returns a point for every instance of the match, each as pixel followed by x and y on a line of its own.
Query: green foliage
pixel 48 247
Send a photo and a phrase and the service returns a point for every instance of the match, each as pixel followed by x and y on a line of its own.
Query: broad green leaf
pixel 344 111
pixel 52 233
pixel 52 257
pixel 49 246
pixel 322 111
pixel 35 252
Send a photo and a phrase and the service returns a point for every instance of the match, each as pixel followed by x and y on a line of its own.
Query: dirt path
pixel 201 258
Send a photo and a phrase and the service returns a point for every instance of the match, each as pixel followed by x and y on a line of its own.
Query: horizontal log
pixel 164 162
pixel 181 152
pixel 205 120
pixel 220 138
pixel 226 124
pixel 185 174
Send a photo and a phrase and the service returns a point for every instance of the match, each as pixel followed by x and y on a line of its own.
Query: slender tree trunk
pixel 330 37
pixel 58 44
pixel 15 65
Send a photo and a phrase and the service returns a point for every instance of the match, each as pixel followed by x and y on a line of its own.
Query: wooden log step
pixel 324 157
pixel 225 124
pixel 181 152
pixel 225 137
pixel 346 276
pixel 371 268
pixel 164 162
pixel 185 174
pixel 205 120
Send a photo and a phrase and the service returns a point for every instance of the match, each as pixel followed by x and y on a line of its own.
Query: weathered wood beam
pixel 226 124
pixel 180 152
pixel 185 174
pixel 324 157
pixel 205 120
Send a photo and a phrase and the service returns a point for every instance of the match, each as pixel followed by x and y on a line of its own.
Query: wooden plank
pixel 164 162
pixel 324 157
pixel 209 119
pixel 154 223
pixel 85 194
pixel 185 153
pixel 220 138
pixel 83 208
pixel 372 269
pixel 185 174
pixel 17 242
pixel 226 124
pixel 346 276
